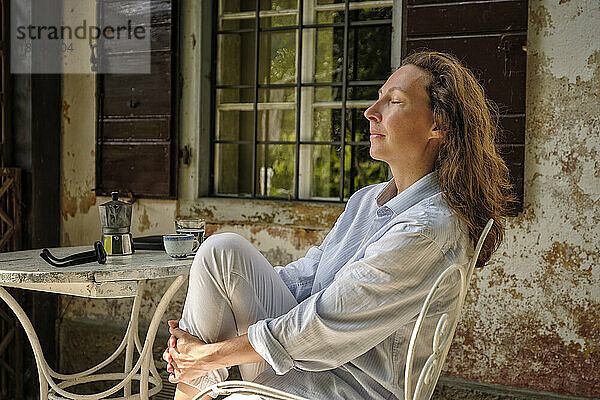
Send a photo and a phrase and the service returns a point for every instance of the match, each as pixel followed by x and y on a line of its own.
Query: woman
pixel 335 323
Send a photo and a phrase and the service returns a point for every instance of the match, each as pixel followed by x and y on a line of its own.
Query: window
pixel 291 76
pixel 291 82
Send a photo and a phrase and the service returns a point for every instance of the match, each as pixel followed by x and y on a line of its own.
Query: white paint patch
pixel 569 52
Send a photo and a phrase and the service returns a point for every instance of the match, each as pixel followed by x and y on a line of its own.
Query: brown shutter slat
pixel 137 129
pixel 514 156
pixel 140 168
pixel 467 18
pixel 513 129
pixel 140 94
pixel 160 39
pixel 160 11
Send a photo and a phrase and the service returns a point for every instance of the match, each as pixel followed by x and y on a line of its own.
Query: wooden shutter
pixel 491 38
pixel 136 147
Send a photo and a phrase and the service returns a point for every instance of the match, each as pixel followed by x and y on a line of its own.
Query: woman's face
pixel 401 122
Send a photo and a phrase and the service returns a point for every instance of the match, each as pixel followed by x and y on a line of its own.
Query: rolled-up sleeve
pixel 368 300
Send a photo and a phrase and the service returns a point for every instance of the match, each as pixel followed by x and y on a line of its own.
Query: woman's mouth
pixel 376 135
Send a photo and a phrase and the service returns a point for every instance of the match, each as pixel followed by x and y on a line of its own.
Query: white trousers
pixel 231 286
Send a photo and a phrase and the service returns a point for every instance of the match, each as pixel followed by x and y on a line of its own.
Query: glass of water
pixel 193 226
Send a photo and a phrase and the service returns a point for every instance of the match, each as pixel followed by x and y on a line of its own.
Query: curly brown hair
pixel 472 175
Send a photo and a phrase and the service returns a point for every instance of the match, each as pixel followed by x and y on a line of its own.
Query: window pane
pixel 277 114
pixel 328 94
pixel 229 6
pixel 275 170
pixel 320 166
pixel 233 169
pixel 370 13
pixel 369 53
pixel 227 96
pixel 327 124
pixel 278 4
pixel 330 2
pixel 277 63
pixel 287 13
pixel 228 23
pixel 330 11
pixel 277 125
pixel 235 125
pixel 328 55
pixel 235 59
pixel 318 177
pixel 277 95
pixel 361 170
pixel 357 126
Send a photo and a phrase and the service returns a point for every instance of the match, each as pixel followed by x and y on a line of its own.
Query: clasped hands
pixel 187 356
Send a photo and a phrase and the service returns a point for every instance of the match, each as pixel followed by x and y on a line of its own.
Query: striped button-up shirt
pixel 359 293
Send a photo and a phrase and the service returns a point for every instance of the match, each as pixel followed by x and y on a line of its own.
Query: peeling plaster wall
pixel 532 317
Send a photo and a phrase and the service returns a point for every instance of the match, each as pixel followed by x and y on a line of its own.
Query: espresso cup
pixel 180 245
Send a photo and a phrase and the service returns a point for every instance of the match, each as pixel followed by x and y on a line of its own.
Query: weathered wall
pixel 532 318
pixel 533 315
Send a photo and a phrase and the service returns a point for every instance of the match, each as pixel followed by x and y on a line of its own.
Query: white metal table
pixel 121 276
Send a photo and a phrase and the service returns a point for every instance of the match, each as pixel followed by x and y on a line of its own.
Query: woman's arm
pixel 189 357
pixel 368 300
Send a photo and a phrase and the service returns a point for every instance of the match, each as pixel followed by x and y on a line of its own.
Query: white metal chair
pixel 432 367
pixel 444 330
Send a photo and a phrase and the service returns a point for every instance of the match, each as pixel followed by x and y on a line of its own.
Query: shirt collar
pixel 425 187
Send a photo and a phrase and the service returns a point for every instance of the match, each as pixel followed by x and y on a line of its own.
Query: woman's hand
pixel 172 342
pixel 187 356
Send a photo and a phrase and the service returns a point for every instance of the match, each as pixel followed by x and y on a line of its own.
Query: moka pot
pixel 115 217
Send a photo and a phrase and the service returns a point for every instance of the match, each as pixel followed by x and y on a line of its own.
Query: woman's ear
pixel 436 133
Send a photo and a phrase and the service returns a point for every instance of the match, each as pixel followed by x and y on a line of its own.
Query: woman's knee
pixel 221 243
pixel 215 250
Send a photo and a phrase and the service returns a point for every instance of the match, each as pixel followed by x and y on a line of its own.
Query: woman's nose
pixel 372 115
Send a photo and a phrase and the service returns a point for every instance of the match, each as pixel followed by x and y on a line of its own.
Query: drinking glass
pixel 193 226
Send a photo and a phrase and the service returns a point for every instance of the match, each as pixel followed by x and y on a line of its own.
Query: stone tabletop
pixel 28 267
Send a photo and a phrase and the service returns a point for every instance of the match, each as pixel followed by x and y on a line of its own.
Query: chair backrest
pixel 444 330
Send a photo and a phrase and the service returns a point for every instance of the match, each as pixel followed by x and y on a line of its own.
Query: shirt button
pixel 383 211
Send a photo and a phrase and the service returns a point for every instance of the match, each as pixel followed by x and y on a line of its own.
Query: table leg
pixel 146 354
pixel 145 364
pixel 38 354
pixel 132 331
